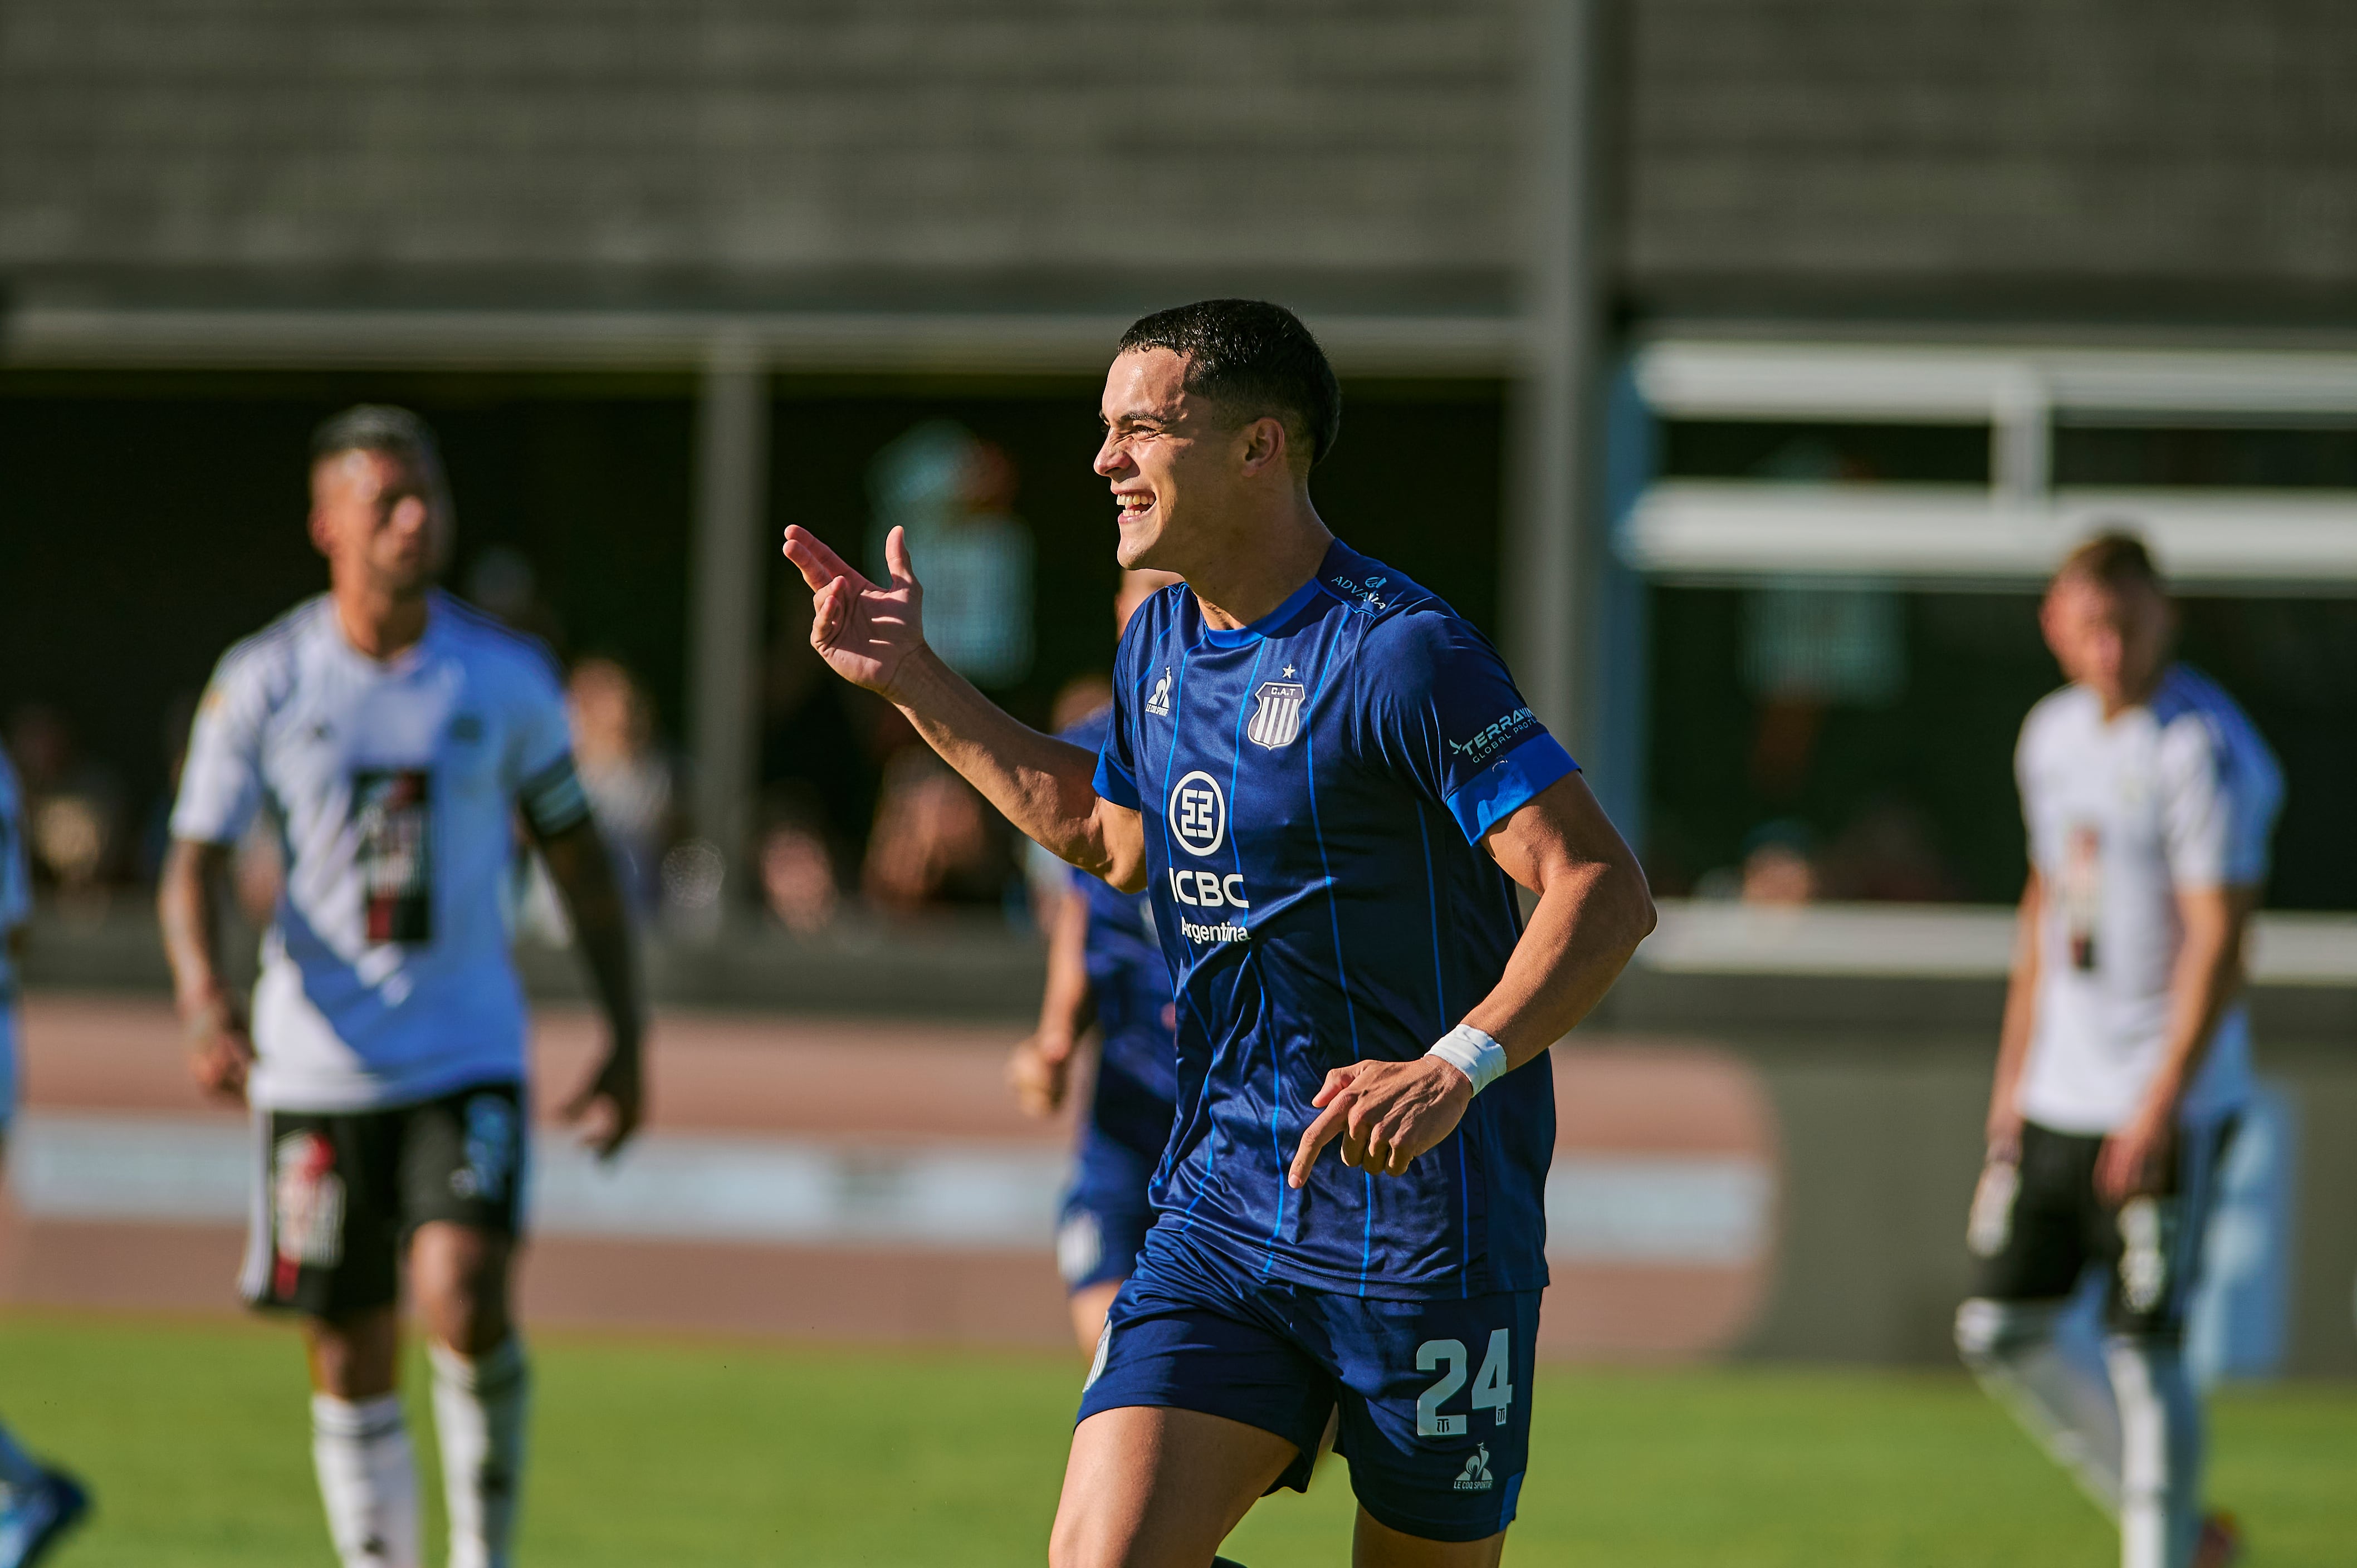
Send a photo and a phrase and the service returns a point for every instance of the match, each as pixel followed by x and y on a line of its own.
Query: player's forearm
pixel 2204 982
pixel 1065 1006
pixel 1044 786
pixel 584 874
pixel 2021 1005
pixel 1588 923
pixel 187 896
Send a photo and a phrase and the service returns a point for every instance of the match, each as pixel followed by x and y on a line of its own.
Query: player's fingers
pixel 816 562
pixel 896 558
pixel 827 611
pixel 1337 1079
pixel 1314 1137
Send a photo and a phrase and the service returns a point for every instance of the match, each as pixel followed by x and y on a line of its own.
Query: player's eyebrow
pixel 1130 416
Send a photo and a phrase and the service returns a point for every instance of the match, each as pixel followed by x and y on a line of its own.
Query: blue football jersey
pixel 1137 1062
pixel 1315 787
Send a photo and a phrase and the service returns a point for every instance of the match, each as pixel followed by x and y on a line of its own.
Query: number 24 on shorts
pixel 1492 1389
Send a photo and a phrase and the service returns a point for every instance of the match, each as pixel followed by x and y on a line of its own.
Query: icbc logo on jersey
pixel 307 1201
pixel 392 817
pixel 1198 814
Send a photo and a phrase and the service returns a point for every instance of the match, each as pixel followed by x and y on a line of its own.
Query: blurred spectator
pixel 1886 852
pixel 1777 869
pixel 934 842
pixel 822 739
pixel 73 809
pixel 796 871
pixel 954 494
pixel 502 582
pixel 1079 697
pixel 626 776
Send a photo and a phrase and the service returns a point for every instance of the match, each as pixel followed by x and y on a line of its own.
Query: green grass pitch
pixel 194 1436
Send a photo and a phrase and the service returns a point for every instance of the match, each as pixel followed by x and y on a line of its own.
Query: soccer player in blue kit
pixel 1105 968
pixel 1330 785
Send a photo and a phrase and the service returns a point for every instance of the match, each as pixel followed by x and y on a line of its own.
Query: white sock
pixel 479 1414
pixel 2054 1382
pixel 368 1480
pixel 2160 1474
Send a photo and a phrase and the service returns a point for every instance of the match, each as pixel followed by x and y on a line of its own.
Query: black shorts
pixel 2038 1244
pixel 341 1191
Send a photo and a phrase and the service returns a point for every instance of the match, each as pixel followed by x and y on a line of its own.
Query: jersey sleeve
pixel 541 774
pixel 1116 775
pixel 2216 813
pixel 1448 713
pixel 220 779
pixel 16 863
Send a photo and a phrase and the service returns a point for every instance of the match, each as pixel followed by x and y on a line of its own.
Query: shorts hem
pixel 1427 1528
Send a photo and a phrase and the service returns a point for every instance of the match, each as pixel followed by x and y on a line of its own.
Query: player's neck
pixel 377 623
pixel 2134 697
pixel 1242 585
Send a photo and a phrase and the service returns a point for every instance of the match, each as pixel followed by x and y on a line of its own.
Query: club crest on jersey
pixel 1157 701
pixel 1278 718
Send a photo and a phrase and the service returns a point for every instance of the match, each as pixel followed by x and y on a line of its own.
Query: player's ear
pixel 1266 445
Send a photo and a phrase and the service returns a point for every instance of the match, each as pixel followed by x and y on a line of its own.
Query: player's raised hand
pixel 1386 1113
pixel 863 631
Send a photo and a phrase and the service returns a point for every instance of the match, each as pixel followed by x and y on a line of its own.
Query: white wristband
pixel 1481 1059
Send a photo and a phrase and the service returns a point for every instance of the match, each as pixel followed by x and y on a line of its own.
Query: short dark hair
pixel 1251 358
pixel 2116 558
pixel 382 427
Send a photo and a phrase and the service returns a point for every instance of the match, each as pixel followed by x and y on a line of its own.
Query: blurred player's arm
pixel 874 637
pixel 2003 1130
pixel 1039 1070
pixel 2204 982
pixel 189 895
pixel 584 874
pixel 1593 910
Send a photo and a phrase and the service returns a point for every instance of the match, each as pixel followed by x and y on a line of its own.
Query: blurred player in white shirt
pixel 37 1504
pixel 394 736
pixel 2149 801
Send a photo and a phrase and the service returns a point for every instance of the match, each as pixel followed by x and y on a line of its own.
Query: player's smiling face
pixel 373 515
pixel 1170 459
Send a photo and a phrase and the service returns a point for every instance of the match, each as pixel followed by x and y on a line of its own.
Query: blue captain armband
pixel 553 799
pixel 1509 784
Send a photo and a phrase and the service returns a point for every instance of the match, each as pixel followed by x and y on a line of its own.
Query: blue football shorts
pixel 1434 1395
pixel 1105 1215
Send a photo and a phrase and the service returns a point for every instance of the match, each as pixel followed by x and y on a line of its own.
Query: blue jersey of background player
pixel 1105 970
pixel 1329 783
pixel 37 1504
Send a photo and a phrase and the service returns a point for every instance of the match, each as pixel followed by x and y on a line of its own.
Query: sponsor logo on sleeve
pixel 1496 735
pixel 1368 594
pixel 1157 702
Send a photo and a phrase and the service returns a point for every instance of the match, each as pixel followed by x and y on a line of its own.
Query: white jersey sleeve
pixel 220 780
pixel 2218 799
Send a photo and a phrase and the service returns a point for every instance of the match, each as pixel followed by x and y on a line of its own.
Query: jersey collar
pixel 1267 625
